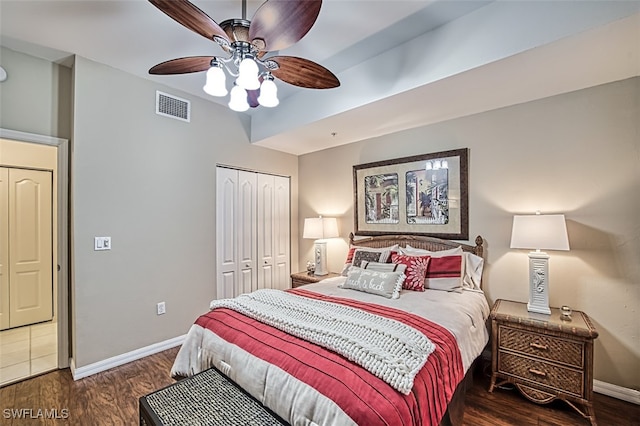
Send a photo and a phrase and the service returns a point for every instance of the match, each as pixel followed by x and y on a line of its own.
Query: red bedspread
pixel 367 399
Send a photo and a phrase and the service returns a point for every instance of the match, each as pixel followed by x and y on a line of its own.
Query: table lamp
pixel 539 232
pixel 320 228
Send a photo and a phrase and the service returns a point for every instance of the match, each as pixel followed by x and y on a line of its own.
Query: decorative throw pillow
pixel 386 284
pixel 383 267
pixel 445 273
pixel 384 257
pixel 416 270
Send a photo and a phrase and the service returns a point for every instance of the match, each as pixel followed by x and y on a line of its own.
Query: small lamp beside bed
pixel 547 232
pixel 319 229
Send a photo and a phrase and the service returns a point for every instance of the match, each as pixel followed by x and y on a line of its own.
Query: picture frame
pixel 419 195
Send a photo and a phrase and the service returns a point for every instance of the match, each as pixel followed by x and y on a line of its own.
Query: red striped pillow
pixel 416 270
pixel 444 273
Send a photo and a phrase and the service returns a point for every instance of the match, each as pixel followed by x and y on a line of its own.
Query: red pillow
pixel 416 271
pixel 444 273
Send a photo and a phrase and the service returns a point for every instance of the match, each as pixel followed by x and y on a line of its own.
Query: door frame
pixel 62 228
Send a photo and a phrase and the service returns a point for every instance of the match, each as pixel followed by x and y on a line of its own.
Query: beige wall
pixel 36 97
pixel 148 182
pixel 577 154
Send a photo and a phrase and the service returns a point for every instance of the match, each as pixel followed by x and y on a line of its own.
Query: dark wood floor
pixel 111 398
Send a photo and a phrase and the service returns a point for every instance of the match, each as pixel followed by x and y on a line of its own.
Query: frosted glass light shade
pixel 248 78
pixel 238 101
pixel 216 82
pixel 268 94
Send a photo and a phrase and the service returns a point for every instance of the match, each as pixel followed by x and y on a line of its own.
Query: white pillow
pixel 386 284
pixel 412 251
pixel 472 271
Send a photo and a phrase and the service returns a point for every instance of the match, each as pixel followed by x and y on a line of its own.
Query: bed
pixel 306 381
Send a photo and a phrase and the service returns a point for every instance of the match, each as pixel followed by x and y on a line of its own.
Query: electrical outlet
pixel 161 308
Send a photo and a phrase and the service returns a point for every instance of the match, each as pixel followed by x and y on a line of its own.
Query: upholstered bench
pixel 208 398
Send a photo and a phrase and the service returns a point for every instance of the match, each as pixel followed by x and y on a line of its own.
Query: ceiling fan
pixel 276 25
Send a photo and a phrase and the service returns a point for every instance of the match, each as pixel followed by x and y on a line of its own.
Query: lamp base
pixel 320 255
pixel 538 283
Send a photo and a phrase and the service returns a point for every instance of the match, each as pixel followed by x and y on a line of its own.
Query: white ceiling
pixel 401 64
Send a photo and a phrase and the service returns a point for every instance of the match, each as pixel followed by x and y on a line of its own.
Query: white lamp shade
pixel 317 228
pixel 268 94
pixel 248 78
pixel 540 232
pixel 238 99
pixel 215 84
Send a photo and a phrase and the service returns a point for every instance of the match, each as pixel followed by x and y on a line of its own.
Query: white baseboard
pixel 100 366
pixel 618 392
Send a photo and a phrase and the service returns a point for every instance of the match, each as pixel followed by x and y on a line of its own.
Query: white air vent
pixel 173 107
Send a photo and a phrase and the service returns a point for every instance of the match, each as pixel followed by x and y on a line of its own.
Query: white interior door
pixel 4 248
pixel 30 247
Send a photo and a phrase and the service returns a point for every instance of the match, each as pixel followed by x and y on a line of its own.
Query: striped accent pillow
pixel 445 273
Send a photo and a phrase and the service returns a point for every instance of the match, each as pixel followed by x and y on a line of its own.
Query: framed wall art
pixel 420 195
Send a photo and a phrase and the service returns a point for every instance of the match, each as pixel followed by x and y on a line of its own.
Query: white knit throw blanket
pixel 387 348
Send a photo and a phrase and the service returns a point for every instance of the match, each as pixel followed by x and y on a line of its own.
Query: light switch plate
pixel 102 243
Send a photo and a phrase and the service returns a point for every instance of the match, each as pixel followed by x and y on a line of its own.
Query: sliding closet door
pixel 4 248
pixel 30 247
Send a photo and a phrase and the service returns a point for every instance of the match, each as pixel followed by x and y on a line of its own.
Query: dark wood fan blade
pixel 185 13
pixel 303 73
pixel 278 24
pixel 183 65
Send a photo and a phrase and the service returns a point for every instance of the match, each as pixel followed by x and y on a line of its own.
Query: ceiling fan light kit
pixel 277 24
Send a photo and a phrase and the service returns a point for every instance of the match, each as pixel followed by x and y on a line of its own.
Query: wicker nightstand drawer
pixel 550 348
pixel 554 377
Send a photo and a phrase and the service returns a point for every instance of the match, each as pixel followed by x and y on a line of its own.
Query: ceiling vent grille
pixel 172 106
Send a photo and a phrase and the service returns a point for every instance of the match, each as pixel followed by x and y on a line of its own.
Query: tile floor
pixel 27 351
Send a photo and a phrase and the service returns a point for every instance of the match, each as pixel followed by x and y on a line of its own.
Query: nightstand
pixel 303 278
pixel 545 357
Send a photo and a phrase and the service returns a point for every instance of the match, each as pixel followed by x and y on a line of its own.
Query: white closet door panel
pixel 282 232
pixel 226 231
pixel 247 230
pixel 30 247
pixel 282 275
pixel 265 230
pixel 4 248
pixel 226 285
pixel 247 280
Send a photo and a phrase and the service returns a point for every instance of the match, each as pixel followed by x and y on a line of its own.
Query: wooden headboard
pixel 417 241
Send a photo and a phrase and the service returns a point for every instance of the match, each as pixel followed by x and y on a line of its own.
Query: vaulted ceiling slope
pixel 401 64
